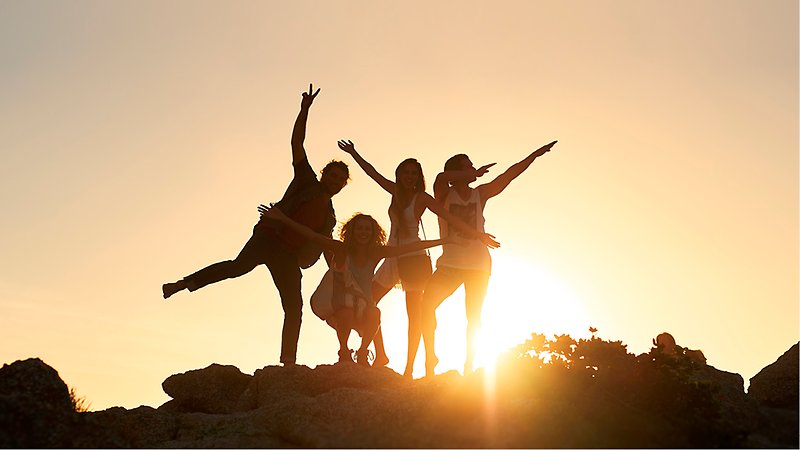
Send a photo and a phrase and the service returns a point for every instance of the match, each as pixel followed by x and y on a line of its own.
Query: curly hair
pixel 347 229
pixel 337 164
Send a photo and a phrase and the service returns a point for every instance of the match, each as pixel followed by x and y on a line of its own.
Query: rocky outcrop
pixel 347 405
pixel 775 390
pixel 776 385
pixel 35 406
pixel 215 389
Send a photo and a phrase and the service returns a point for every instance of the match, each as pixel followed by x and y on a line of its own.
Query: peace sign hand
pixel 308 97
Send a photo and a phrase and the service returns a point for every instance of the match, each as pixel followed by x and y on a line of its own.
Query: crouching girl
pixel 360 248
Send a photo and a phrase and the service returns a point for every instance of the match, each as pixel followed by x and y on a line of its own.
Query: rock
pixel 273 383
pixel 34 379
pixel 776 385
pixel 215 389
pixel 35 406
pixel 731 385
pixel 350 406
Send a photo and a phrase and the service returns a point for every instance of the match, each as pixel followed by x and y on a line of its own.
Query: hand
pixel 308 97
pixel 544 149
pixel 271 212
pixel 347 146
pixel 488 240
pixel 481 171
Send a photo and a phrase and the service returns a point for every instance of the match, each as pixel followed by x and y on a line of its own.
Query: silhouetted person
pixel 359 251
pixel 468 263
pixel 284 251
pixel 409 202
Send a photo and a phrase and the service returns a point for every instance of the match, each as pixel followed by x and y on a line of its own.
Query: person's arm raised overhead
pixel 502 181
pixel 299 130
pixel 369 169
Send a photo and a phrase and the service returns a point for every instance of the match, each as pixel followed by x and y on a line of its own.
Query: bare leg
pixel 381 359
pixel 414 310
pixel 341 322
pixel 369 326
pixel 475 292
pixel 441 285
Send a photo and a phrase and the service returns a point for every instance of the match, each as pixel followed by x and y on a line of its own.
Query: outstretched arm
pixel 388 251
pixel 437 208
pixel 368 168
pixel 299 130
pixel 499 184
pixel 276 214
pixel 443 180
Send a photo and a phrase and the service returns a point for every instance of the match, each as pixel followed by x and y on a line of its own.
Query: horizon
pixel 138 138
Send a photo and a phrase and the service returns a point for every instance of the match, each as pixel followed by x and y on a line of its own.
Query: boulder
pixel 34 379
pixel 776 385
pixel 35 406
pixel 214 389
pixel 273 383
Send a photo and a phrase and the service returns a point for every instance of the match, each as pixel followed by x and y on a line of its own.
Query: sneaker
pixel 364 357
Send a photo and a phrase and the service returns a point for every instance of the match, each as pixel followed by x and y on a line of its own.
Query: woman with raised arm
pixel 360 248
pixel 409 201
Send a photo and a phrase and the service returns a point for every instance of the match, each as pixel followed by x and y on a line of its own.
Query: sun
pixel 521 299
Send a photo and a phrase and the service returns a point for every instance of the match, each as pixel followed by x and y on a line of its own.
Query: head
pixel 334 177
pixel 362 230
pixel 409 177
pixel 459 162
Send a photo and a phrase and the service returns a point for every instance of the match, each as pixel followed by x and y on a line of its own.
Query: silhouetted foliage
pixel 79 403
pixel 621 399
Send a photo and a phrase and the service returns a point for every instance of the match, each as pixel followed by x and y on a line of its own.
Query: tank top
pixel 469 254
pixel 410 227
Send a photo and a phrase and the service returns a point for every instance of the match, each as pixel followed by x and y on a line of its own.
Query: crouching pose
pixel 409 202
pixel 360 248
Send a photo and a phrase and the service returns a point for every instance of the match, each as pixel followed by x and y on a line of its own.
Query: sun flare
pixel 521 299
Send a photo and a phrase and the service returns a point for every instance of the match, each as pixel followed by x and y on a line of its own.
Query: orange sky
pixel 137 139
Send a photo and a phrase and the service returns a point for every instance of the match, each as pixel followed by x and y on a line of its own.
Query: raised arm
pixel 389 250
pixel 369 169
pixel 276 214
pixel 299 130
pixel 437 208
pixel 499 184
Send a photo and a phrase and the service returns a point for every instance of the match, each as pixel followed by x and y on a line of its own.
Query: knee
pixel 374 313
pixel 238 267
pixel 473 324
pixel 373 316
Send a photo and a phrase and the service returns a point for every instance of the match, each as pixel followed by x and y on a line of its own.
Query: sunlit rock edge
pixel 349 406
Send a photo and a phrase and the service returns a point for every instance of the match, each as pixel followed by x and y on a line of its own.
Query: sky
pixel 138 137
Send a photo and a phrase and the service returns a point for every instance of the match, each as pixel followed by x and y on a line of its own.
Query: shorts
pixel 411 272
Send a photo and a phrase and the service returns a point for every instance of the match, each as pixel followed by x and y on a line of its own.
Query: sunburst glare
pixel 523 298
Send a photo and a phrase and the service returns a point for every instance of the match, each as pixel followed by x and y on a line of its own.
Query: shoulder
pixel 442 193
pixel 303 169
